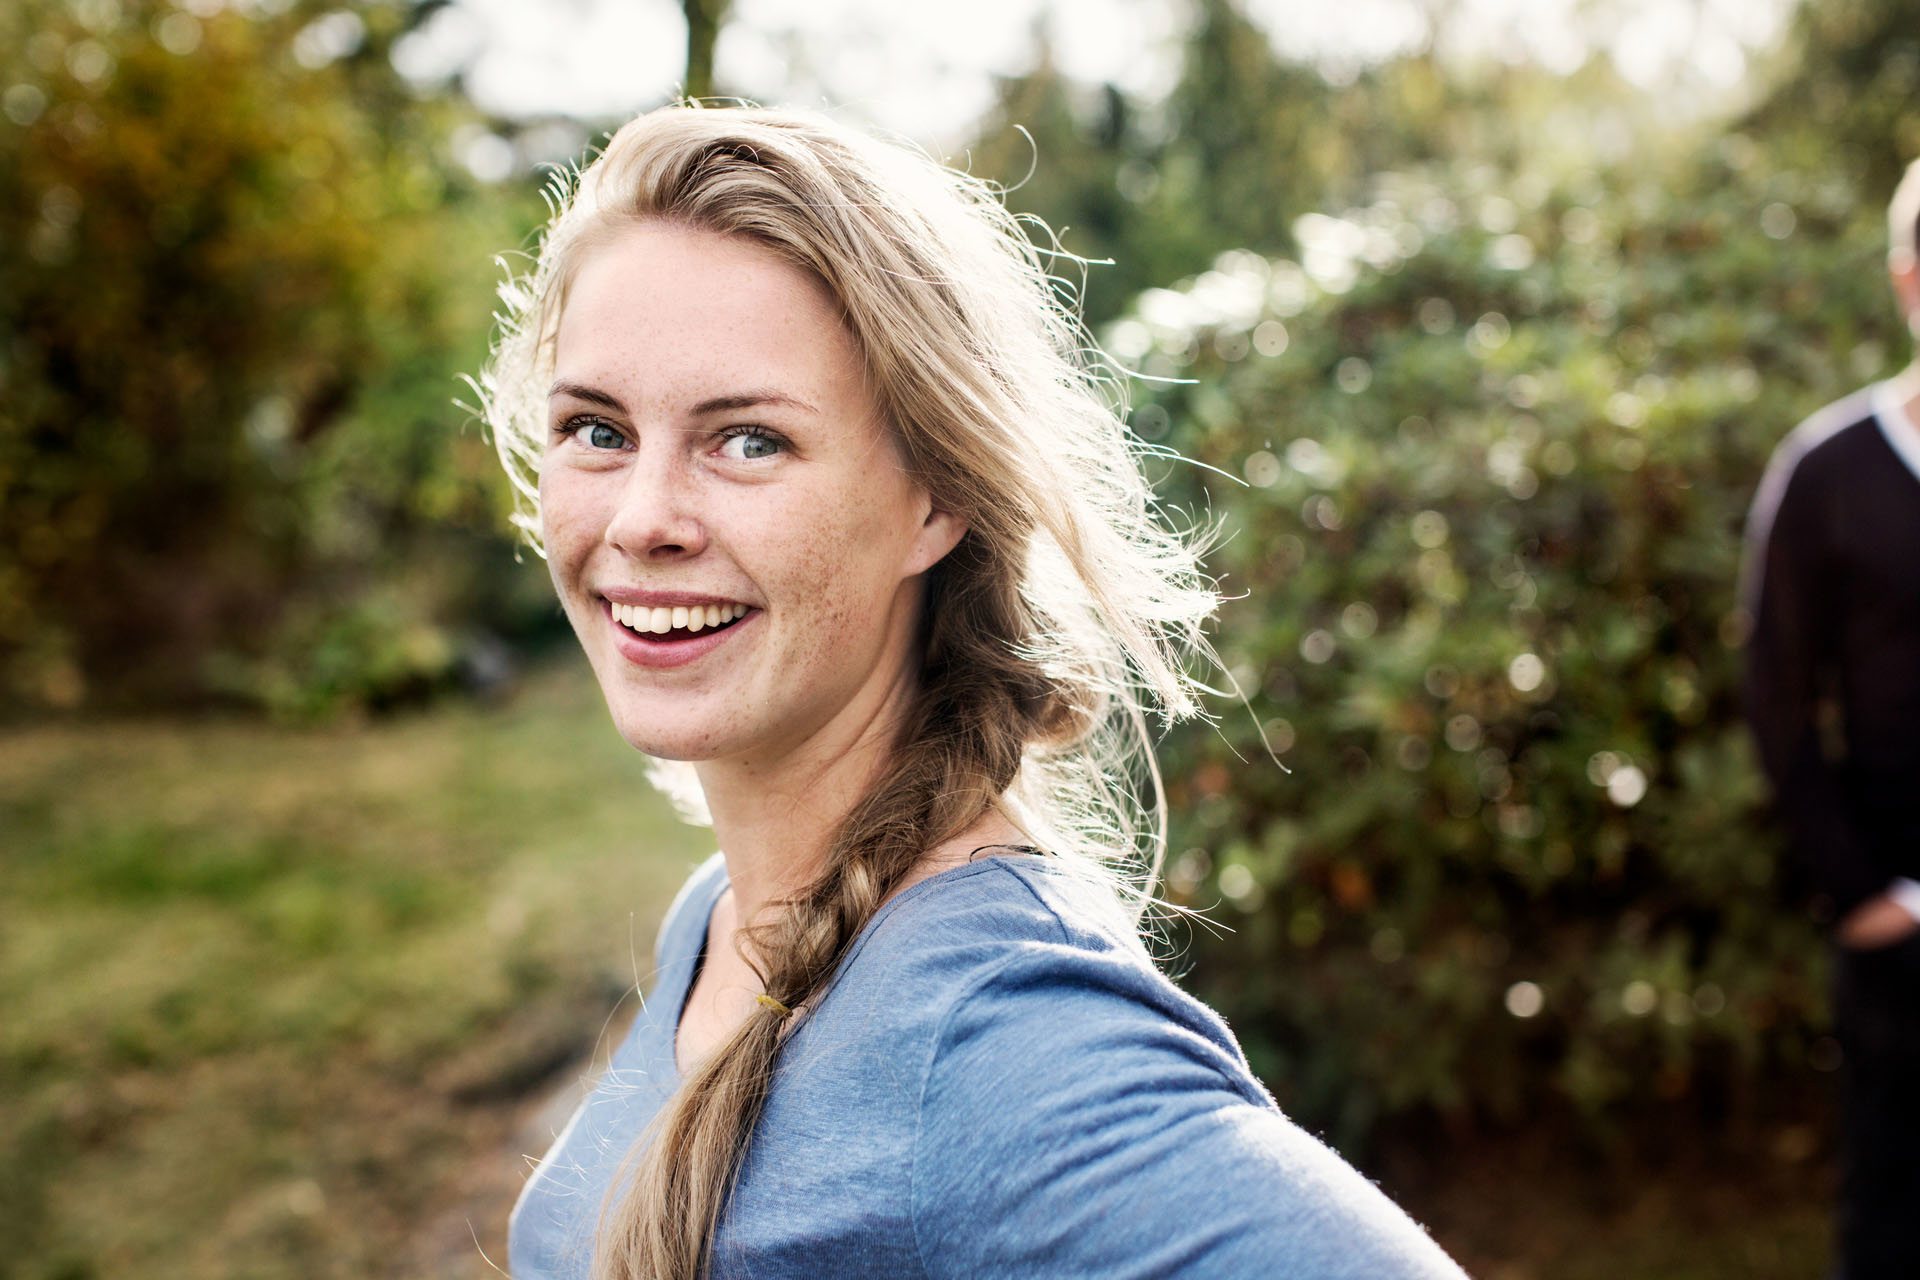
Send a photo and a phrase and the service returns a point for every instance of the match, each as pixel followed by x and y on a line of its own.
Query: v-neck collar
pixel 671 1029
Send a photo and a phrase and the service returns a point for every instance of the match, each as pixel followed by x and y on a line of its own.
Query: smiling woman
pixel 847 527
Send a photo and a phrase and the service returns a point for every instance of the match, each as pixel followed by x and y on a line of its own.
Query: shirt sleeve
pixel 1080 1118
pixel 1787 595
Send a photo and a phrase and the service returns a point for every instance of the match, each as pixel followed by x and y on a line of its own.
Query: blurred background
pixel 322 875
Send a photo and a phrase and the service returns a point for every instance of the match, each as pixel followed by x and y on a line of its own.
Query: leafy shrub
pixel 242 272
pixel 1498 440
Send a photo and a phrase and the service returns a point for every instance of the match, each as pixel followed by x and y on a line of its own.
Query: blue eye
pixel 602 436
pixel 751 444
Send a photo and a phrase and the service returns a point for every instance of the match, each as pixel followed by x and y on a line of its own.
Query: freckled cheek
pixel 839 573
pixel 569 526
pixel 829 652
pixel 837 566
pixel 856 598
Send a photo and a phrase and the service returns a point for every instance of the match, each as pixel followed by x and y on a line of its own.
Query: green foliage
pixel 1122 181
pixel 1248 141
pixel 1847 97
pixel 241 270
pixel 1499 437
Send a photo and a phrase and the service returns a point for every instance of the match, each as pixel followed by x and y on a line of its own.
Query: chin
pixel 650 738
pixel 665 724
pixel 667 731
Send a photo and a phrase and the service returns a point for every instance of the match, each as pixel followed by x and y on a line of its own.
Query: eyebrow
pixel 750 399
pixel 581 391
pixel 717 404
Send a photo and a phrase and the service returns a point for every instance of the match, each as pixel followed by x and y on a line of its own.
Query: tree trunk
pixel 704 19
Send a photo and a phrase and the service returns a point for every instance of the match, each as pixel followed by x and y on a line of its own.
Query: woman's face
pixel 725 512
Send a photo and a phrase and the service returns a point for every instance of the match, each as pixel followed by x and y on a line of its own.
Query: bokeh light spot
pixel 1525 999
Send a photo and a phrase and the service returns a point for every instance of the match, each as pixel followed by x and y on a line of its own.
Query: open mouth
pixel 680 622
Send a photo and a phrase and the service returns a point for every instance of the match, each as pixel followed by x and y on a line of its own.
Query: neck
pixel 775 818
pixel 1905 386
pixel 775 822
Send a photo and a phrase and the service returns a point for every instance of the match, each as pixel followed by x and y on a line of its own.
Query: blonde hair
pixel 1065 616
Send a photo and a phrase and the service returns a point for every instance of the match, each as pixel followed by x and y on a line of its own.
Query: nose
pixel 657 516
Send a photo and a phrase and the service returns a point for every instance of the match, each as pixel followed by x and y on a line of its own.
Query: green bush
pixel 1498 439
pixel 242 269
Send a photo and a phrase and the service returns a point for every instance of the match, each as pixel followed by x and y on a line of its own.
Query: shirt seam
pixel 933 1052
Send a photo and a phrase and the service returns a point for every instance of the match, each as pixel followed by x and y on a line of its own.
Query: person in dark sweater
pixel 1832 586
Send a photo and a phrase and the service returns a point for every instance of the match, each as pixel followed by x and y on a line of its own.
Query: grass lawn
pixel 288 1003
pixel 267 995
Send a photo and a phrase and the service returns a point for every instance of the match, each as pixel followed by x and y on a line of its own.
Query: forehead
pixel 663 310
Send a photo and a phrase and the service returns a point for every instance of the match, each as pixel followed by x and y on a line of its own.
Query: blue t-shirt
pixel 998 1083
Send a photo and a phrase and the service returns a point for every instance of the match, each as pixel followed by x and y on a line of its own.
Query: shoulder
pixel 990 908
pixel 1014 940
pixel 1087 986
pixel 1824 438
pixel 1106 1123
pixel 1059 1107
pixel 1015 956
pixel 1833 426
pixel 1039 974
pixel 1805 464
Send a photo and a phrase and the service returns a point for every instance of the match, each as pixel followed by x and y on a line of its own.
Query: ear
pixel 940 532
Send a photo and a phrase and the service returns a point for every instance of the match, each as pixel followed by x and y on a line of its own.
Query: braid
pixel 963 744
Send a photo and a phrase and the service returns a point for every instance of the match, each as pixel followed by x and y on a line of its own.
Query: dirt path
pixel 467 1239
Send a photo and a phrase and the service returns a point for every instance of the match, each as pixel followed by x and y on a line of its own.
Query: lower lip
pixel 645 651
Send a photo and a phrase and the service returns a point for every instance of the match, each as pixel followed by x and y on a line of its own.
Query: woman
pixel 844 523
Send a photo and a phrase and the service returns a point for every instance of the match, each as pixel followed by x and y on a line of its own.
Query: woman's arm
pixel 1081 1117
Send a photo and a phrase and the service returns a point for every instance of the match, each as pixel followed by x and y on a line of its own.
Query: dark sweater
pixel 1832 584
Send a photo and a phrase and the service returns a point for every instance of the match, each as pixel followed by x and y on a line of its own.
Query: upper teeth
pixel 680 617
